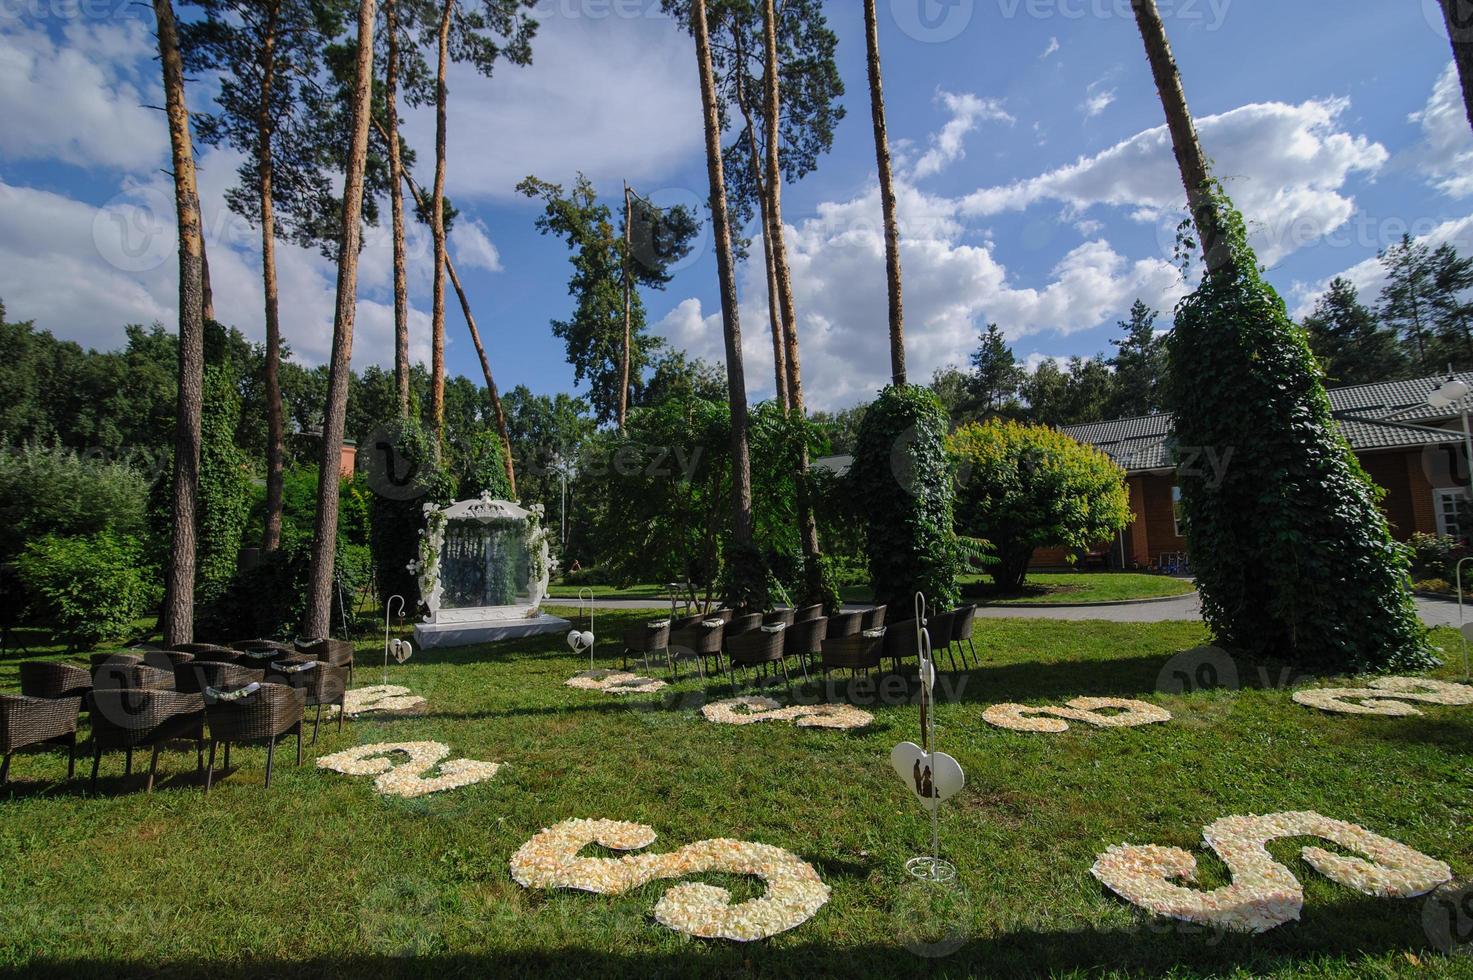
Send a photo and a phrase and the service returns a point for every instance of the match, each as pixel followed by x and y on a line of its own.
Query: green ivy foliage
pixel 398 516
pixel 88 588
pixel 268 599
pixel 1021 487
pixel 224 480
pixel 1294 559
pixel 480 465
pixel 902 483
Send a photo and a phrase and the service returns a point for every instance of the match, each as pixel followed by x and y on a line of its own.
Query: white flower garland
pixel 794 890
pixel 1385 696
pixel 749 710
pixel 614 682
pixel 1022 718
pixel 381 699
pixel 407 779
pixel 1264 894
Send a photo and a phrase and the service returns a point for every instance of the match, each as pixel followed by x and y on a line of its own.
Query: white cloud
pixel 1446 153
pixel 1051 50
pixel 473 246
pixel 967 111
pixel 1097 99
pixel 81 100
pixel 1369 277
pixel 1285 166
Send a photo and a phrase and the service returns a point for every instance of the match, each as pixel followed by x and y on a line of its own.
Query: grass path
pixel 319 876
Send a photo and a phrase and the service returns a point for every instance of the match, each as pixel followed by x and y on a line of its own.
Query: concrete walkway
pixel 1434 612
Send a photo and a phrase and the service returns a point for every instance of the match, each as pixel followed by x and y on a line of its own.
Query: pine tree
pixel 996 375
pixel 1349 341
pixel 1406 305
pixel 1139 363
pixel 1452 306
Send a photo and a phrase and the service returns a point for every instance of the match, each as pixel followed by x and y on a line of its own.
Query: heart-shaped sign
pixel 933 777
pixel 573 639
pixel 401 650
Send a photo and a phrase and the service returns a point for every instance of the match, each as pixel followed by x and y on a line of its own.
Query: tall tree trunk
pixel 628 314
pixel 275 425
pixel 177 621
pixel 1190 160
pixel 437 229
pixel 807 525
pixel 470 322
pixel 736 383
pixel 207 294
pixel 1459 17
pixel 887 195
pixel 396 201
pixel 317 619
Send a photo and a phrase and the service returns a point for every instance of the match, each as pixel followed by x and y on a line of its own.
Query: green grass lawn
pixel 320 876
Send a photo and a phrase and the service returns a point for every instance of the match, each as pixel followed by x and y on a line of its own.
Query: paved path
pixel 1434 612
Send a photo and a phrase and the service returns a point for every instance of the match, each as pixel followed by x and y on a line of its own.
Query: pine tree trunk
pixel 396 202
pixel 807 525
pixel 275 425
pixel 741 465
pixel 177 621
pixel 207 295
pixel 887 195
pixel 437 229
pixel 1190 160
pixel 317 619
pixel 1459 17
pixel 628 315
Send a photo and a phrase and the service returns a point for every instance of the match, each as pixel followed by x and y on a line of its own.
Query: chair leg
pixel 270 755
pixel 227 756
pixel 787 680
pixel 976 659
pixel 153 768
pixel 128 763
pixel 952 657
pixel 342 712
pixel 71 757
pixel 210 771
pixel 199 755
pixel 5 770
pixel 96 761
pixel 315 722
pixel 299 743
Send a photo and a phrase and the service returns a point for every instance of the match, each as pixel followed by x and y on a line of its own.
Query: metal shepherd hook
pixel 388 615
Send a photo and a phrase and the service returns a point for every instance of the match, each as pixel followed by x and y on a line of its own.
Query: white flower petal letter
pixel 613 682
pixel 1385 696
pixel 1129 714
pixel 1264 894
pixel 387 699
pixel 408 779
pixel 794 891
pixel 750 710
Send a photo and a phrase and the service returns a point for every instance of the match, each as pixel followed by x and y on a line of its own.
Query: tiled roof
pixel 1390 415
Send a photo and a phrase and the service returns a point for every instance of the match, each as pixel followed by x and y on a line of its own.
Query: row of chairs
pixel 151 698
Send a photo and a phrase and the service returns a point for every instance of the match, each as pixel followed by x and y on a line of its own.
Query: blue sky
pixel 1036 184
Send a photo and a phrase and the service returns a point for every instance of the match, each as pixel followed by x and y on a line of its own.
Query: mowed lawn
pixel 321 876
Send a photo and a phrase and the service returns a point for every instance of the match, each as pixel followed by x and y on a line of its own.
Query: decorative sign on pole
pixel 580 641
pixel 400 650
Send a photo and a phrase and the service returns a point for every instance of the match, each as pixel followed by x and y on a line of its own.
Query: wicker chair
pixel 208 653
pixel 193 678
pixel 961 632
pixel 115 659
pixel 756 648
pixel 645 639
pixel 804 640
pixel 940 627
pixel 902 643
pixel 808 612
pixel 783 616
pixel 696 640
pixel 261 658
pixel 26 721
pixel 52 679
pixel 845 624
pixel 852 652
pixel 199 648
pixel 272 711
pixel 746 623
pixel 137 718
pixel 273 645
pixel 166 659
pixel 323 685
pixel 875 618
pixel 138 676
pixel 338 653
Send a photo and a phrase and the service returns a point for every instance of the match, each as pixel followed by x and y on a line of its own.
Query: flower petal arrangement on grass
pixel 1385 696
pixel 614 682
pixel 750 710
pixel 1264 894
pixel 387 699
pixel 794 890
pixel 408 779
pixel 1023 718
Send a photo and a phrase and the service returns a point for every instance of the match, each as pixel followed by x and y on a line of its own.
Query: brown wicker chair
pixel 939 627
pixel 696 640
pixel 122 676
pixel 338 653
pixel 783 616
pixel 852 652
pixel 645 639
pixel 272 711
pixel 808 612
pixel 53 679
pixel 193 678
pixel 756 648
pixel 902 643
pixel 745 623
pixel 208 653
pixel 874 618
pixel 845 624
pixel 961 632
pixel 804 640
pixel 261 658
pixel 199 648
pixel 26 721
pixel 166 659
pixel 130 718
pixel 323 685
pixel 274 645
pixel 115 659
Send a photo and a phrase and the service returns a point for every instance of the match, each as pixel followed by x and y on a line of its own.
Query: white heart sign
pixel 933 777
pixel 401 650
pixel 573 639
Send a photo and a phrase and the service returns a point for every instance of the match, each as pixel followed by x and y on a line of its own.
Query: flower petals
pixel 1022 718
pixel 749 710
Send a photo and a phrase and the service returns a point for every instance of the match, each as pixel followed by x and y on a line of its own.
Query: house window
pixel 1178 517
pixel 1454 514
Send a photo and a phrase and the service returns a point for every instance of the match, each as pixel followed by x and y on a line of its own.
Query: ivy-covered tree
pixel 1294 558
pixel 1349 341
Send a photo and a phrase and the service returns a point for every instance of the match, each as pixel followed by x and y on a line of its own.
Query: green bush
pixel 1440 586
pixel 50 490
pixel 86 588
pixel 480 467
pixel 902 485
pixel 1022 487
pixel 1435 556
pixel 397 512
pixel 268 599
pixel 1293 556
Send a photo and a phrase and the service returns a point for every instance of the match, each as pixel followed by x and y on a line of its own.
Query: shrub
pixel 1435 556
pixel 1293 556
pixel 1022 487
pixel 87 588
pixel 902 484
pixel 1438 585
pixel 50 490
pixel 397 508
pixel 268 599
pixel 480 467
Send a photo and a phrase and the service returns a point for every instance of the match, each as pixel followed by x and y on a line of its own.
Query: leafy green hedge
pixel 902 484
pixel 50 490
pixel 87 588
pixel 397 513
pixel 1293 556
pixel 268 599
